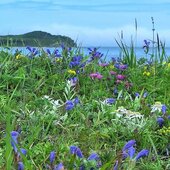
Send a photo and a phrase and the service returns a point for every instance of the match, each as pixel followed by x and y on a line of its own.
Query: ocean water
pixel 108 52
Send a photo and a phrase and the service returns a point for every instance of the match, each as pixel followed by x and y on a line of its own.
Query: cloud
pixel 89 36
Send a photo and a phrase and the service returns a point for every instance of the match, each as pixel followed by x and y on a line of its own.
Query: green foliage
pixel 33 95
pixel 36 38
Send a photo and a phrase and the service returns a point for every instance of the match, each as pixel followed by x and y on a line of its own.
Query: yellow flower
pixel 168 65
pixel 111 66
pixel 146 73
pixel 58 60
pixel 19 56
pixel 71 72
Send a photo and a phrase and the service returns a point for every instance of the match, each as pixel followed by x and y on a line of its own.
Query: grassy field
pixel 65 110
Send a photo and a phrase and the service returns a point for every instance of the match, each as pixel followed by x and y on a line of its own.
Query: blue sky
pixel 89 22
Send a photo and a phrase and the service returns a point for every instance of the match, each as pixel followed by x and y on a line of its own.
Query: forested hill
pixel 36 38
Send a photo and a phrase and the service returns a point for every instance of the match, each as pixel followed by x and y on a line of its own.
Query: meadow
pixel 70 111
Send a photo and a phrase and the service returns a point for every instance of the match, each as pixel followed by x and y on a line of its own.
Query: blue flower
pixel 137 95
pixel 14 140
pixel 160 121
pixel 76 101
pixel 93 156
pixel 129 144
pixel 110 101
pixel 142 153
pixel 131 152
pixel 69 105
pixel 76 151
pixel 52 157
pixel 164 109
pixel 20 166
pixel 60 166
pixel 23 151
pixel 116 165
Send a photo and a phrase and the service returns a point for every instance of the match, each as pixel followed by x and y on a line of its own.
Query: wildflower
pixel 93 156
pixel 164 109
pixel 75 61
pixel 146 73
pixel 69 105
pixel 120 77
pixel 52 156
pixel 168 65
pixel 146 46
pixel 113 73
pixel 128 145
pixel 156 107
pixel 76 101
pixel 60 166
pixel 19 56
pixel 76 151
pixel 23 151
pixel 20 166
pixel 142 153
pixel 33 51
pixel 71 72
pixel 109 101
pixel 96 75
pixel 14 140
pixel 131 152
pixel 116 165
pixel 73 81
pixel 137 95
pixel 104 64
pixel 94 54
pixel 160 121
pixel 111 67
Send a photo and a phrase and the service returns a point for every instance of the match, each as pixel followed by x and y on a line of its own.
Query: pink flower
pixel 96 75
pixel 93 75
pixel 120 77
pixel 99 76
pixel 104 64
pixel 113 73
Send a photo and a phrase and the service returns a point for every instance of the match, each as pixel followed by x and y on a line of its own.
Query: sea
pixel 108 52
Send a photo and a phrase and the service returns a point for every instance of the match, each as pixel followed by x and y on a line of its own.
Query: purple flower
pixel 142 153
pixel 93 156
pixel 52 157
pixel 60 166
pixel 14 140
pixel 48 51
pixel 73 81
pixel 116 165
pixel 110 101
pixel 146 46
pixel 76 151
pixel 160 121
pixel 20 166
pixel 137 94
pixel 164 109
pixel 128 145
pixel 168 117
pixel 76 101
pixel 23 151
pixel 145 94
pixel 113 73
pixel 120 77
pixel 131 152
pixel 123 66
pixel 69 105
pixel 96 75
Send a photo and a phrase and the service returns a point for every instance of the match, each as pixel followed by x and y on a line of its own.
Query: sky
pixel 88 22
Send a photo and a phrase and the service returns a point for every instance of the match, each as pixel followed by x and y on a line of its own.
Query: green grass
pixel 91 125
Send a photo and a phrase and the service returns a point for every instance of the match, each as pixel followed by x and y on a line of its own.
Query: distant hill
pixel 36 38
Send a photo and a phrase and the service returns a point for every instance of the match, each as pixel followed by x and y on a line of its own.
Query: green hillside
pixel 36 38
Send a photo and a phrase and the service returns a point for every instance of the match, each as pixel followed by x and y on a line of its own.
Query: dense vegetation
pixel 35 38
pixel 70 111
